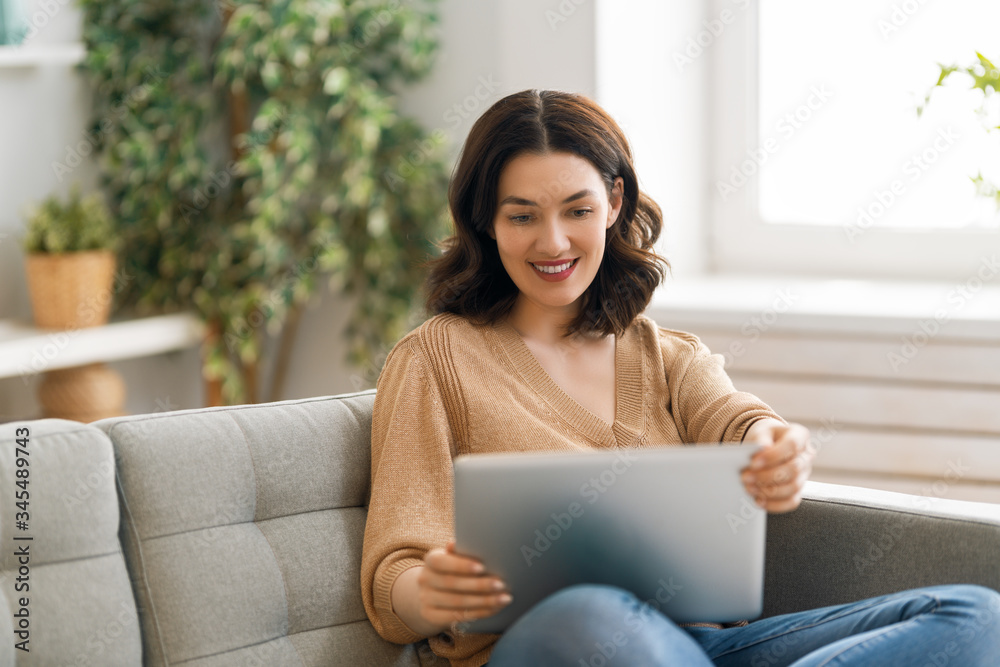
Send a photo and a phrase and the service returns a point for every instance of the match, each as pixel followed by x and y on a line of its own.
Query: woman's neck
pixel 543 325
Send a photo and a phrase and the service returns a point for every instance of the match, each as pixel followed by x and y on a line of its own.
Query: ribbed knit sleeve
pixel 410 511
pixel 706 406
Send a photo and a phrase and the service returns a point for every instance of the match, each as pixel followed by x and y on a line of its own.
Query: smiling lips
pixel 554 271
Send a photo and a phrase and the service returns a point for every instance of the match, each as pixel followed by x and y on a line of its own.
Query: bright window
pixel 820 163
pixel 840 101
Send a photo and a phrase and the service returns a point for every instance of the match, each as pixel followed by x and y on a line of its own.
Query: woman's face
pixel 553 213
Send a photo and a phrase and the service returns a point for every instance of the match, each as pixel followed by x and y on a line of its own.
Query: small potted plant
pixel 70 261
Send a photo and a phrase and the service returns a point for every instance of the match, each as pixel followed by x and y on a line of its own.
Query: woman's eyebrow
pixel 521 201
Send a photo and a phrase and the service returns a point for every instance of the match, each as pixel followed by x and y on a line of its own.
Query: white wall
pixel 663 109
pixel 488 49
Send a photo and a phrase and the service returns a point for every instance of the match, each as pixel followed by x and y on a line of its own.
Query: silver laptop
pixel 673 525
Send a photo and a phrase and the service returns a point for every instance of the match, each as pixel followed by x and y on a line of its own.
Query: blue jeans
pixel 599 626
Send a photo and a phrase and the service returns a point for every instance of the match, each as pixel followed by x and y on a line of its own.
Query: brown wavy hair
pixel 468 279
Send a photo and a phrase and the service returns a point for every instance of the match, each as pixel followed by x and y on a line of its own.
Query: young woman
pixel 539 343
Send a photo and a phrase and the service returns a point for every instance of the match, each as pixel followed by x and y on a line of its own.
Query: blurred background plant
pixel 982 75
pixel 253 149
pixel 81 223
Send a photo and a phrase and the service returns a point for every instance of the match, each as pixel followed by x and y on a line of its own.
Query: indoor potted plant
pixel 70 261
pixel 244 171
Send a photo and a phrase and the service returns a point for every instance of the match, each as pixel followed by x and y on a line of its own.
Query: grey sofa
pixel 232 536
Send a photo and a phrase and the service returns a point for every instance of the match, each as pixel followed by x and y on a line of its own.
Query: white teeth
pixel 554 269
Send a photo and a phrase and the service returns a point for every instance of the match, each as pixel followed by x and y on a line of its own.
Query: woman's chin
pixel 569 305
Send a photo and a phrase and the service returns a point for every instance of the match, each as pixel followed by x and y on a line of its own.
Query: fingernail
pixel 505 599
pixel 757 463
pixel 497 585
pixel 477 568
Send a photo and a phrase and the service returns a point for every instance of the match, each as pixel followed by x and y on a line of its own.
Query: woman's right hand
pixel 453 588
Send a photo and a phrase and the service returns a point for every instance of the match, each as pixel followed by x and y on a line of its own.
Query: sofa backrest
pixel 242 530
pixel 61 571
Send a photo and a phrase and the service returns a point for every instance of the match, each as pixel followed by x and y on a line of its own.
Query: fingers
pixel 444 606
pixel 767 492
pixel 778 473
pixel 446 561
pixel 451 573
pixel 457 588
pixel 784 473
pixel 789 442
pixel 461 583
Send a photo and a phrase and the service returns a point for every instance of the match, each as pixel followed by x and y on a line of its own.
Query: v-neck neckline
pixel 628 386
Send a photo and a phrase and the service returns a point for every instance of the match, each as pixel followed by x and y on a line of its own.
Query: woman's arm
pixel 705 405
pixel 411 588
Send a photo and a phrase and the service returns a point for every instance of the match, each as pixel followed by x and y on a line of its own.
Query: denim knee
pixel 983 600
pixel 975 639
pixel 595 625
pixel 610 602
pixel 985 597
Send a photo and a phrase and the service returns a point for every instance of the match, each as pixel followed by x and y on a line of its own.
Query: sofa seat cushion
pixel 242 529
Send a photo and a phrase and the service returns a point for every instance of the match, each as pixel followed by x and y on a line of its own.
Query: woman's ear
pixel 493 234
pixel 615 200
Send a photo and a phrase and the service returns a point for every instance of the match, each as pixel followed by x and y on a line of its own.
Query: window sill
pixel 961 311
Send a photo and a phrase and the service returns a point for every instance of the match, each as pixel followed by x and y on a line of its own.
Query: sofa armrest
pixel 65 562
pixel 847 543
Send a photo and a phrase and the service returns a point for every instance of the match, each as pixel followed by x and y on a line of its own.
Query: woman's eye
pixel 581 212
pixel 520 219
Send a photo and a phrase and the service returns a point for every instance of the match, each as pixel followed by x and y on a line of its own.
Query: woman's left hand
pixel 778 473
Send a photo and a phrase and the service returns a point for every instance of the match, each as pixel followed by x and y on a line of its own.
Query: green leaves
pixel 81 224
pixel 985 76
pixel 336 81
pixel 242 227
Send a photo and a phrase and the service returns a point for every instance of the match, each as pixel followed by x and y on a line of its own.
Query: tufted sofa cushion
pixel 81 610
pixel 242 529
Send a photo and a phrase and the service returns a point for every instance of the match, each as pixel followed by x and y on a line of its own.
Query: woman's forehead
pixel 553 176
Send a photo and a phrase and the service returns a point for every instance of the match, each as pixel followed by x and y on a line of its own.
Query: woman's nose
pixel 553 240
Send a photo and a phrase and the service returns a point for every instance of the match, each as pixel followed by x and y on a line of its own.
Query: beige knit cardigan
pixel 451 387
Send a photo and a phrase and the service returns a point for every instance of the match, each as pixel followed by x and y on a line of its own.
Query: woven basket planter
pixel 71 290
pixel 84 394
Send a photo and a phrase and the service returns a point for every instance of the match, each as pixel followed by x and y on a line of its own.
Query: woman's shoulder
pixel 437 334
pixel 448 325
pixel 668 339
